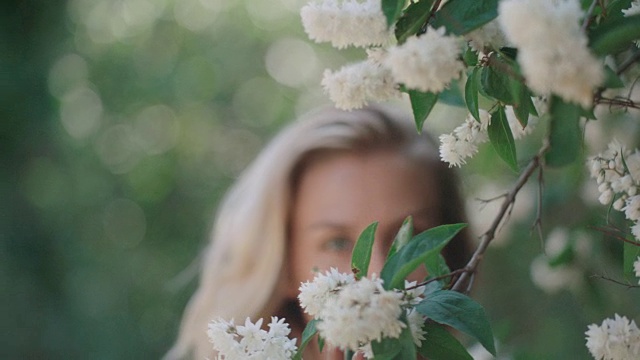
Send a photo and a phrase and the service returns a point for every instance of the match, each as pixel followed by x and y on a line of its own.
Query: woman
pixel 300 207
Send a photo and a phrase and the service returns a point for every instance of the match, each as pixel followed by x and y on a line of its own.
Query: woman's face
pixel 339 195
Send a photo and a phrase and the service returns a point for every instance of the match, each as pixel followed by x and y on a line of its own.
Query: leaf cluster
pixel 443 308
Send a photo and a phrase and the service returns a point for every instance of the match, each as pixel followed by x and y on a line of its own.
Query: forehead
pixel 362 187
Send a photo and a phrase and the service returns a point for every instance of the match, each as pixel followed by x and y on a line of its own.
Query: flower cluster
pixel 346 22
pixel 617 172
pixel 354 84
pixel 249 341
pixel 353 313
pixel 615 339
pixel 552 49
pixel 463 142
pixel 428 62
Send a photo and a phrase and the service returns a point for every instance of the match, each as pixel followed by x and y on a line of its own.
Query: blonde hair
pixel 242 270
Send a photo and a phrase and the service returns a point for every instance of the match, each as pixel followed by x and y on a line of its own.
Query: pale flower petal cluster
pixel 250 341
pixel 552 49
pixel 428 62
pixel 487 37
pixel 617 172
pixel 615 339
pixel 314 294
pixel 463 142
pixel 636 267
pixel 416 324
pixel 360 313
pixel 353 85
pixel 346 22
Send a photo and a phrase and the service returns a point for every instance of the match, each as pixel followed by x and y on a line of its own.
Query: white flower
pixel 346 22
pixel 360 313
pixel 619 203
pixel 416 324
pixel 489 36
pixel 615 339
pixel 456 147
pixel 414 295
pixel 517 129
pixel 632 208
pixel 636 267
pixel 313 295
pixel 552 49
pixel 351 86
pixel 606 197
pixel 635 230
pixel 455 151
pixel 249 341
pixel 428 62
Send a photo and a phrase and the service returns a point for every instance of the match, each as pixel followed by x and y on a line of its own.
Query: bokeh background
pixel 124 121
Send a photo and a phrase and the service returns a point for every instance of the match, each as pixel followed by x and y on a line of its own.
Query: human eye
pixel 337 244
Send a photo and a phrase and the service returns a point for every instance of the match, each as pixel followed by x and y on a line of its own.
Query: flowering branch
pixel 462 284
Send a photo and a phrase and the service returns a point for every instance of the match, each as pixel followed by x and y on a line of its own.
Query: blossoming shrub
pixel 379 316
pixel 517 63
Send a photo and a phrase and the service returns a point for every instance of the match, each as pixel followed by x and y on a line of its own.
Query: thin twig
pixel 437 278
pixel 627 284
pixel 614 235
pixel 461 283
pixel 537 224
pixel 626 103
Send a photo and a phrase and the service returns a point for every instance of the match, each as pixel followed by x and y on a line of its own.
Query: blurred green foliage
pixel 123 123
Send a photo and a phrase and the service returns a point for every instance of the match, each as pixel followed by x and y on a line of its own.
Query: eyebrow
pixel 420 213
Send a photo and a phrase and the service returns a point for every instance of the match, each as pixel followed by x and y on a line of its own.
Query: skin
pixel 338 196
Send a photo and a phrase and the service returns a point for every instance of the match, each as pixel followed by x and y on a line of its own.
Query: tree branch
pixel 462 284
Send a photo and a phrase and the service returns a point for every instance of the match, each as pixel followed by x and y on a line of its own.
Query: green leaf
pixel 461 16
pixel 496 82
pixel 439 344
pixel 392 10
pixel 522 104
pixel 630 255
pixel 424 245
pixel 421 103
pixel 401 348
pixel 564 133
pixel 437 266
pixel 470 57
pixel 471 93
pixel 386 349
pixel 413 19
pixel 402 237
pixel 361 255
pixel 614 37
pixel 502 138
pixel 309 331
pixel 460 312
